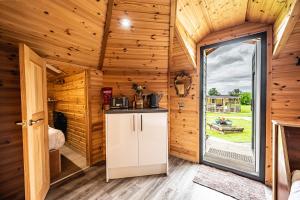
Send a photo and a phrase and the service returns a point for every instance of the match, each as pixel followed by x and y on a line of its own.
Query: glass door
pixel 233 105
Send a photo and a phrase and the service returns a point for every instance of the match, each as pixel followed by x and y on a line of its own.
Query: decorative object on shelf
pixel 138 98
pixel 106 97
pixel 51 100
pixel 183 82
pixel 60 81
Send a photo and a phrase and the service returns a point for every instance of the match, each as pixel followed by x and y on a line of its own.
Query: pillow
pixel 296 176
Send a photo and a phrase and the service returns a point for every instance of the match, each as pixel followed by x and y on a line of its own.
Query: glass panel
pixel 231 105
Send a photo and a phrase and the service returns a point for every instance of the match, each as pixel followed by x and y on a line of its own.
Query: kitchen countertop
pixel 131 110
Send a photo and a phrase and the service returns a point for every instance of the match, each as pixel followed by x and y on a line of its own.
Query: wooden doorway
pixel 34 123
pixel 217 124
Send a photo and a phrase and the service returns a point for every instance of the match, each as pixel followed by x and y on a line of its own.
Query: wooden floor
pixel 178 185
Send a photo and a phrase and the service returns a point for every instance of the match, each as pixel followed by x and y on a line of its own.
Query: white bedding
pixel 295 189
pixel 56 138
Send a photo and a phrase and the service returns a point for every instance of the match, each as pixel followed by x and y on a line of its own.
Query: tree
pixel 213 92
pixel 246 98
pixel 235 92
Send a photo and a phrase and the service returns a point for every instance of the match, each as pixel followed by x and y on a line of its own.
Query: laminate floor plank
pixel 178 185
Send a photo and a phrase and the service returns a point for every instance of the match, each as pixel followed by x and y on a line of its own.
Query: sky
pixel 230 67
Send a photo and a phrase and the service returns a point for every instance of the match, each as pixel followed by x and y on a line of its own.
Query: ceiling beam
pixel 105 33
pixel 190 50
pixel 172 31
pixel 286 25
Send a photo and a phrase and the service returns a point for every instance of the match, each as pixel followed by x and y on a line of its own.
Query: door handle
pixel 141 122
pixel 32 122
pixel 20 123
pixel 133 123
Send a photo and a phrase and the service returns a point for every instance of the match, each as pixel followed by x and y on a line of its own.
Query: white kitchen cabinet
pixel 152 138
pixel 122 140
pixel 136 144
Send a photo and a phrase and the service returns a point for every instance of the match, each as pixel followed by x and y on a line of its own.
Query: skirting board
pixel 124 172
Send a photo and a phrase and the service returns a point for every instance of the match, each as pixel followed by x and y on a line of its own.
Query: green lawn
pixel 241 119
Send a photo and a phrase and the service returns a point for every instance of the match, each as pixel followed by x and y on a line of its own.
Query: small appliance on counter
pixel 119 103
pixel 106 96
pixel 154 100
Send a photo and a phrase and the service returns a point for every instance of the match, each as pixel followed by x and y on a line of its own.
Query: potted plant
pixel 138 98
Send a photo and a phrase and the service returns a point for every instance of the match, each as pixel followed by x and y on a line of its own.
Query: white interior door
pixel 153 138
pixel 35 123
pixel 122 141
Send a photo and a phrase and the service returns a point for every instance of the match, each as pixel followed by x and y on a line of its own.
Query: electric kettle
pixel 154 100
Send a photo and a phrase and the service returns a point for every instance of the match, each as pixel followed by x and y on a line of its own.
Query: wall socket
pixel 180 105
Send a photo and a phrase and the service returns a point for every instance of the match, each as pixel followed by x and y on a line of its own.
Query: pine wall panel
pixel 184 121
pixel 286 80
pixel 140 53
pixel 97 136
pixel 11 144
pixel 71 101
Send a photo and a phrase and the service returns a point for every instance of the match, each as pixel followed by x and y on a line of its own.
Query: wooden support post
pixel 106 32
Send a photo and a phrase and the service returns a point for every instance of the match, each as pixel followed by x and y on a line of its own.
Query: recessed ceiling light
pixel 126 23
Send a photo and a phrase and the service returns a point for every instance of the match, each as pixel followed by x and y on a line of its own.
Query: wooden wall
pixel 71 100
pixel 286 80
pixel 11 145
pixel 184 123
pixel 96 136
pixel 139 53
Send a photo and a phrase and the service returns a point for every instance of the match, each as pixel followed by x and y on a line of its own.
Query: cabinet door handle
pixel 133 123
pixel 141 123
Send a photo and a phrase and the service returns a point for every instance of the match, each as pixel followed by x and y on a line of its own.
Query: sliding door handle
pixel 141 122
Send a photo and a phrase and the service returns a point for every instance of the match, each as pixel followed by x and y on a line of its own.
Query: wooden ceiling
pixel 202 17
pixel 68 31
pixel 144 45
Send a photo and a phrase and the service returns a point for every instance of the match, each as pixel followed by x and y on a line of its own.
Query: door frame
pixel 263 103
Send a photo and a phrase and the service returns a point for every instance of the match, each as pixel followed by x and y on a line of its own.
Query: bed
pixel 56 141
pixel 56 138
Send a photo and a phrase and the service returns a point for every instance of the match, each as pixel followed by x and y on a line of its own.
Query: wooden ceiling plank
pixel 191 58
pixel 50 50
pixel 138 6
pixel 147 17
pixel 11 20
pixel 145 25
pixel 264 11
pixel 286 27
pixel 193 20
pixel 204 10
